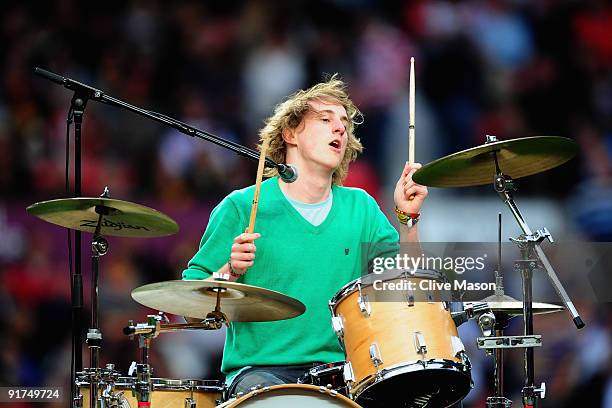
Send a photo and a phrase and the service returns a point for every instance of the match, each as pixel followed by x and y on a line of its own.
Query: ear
pixel 289 136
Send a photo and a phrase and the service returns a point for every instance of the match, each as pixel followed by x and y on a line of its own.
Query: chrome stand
pixel 146 332
pixel 533 257
pixel 99 248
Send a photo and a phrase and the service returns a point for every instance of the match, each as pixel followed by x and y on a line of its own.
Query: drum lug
pixel 349 375
pixel 375 355
pixel 190 403
pixel 410 298
pixel 364 304
pixel 419 343
pixel 77 401
pixel 338 327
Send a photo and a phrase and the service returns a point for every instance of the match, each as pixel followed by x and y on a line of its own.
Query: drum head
pixel 293 396
pixel 389 275
pixel 433 387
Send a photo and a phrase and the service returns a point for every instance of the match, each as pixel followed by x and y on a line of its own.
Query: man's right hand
pixel 243 252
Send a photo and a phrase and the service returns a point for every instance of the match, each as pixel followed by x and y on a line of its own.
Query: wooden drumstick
pixel 411 104
pixel 260 168
pixel 411 127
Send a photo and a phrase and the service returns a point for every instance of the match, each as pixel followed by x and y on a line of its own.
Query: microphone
pixel 70 83
pixel 51 76
pixel 287 172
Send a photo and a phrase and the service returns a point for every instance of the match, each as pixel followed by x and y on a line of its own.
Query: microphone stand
pixel 77 106
pixel 82 94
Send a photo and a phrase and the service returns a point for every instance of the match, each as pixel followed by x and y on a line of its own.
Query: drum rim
pixel 367 280
pixel 317 389
pixel 410 367
pixel 336 365
pixel 166 384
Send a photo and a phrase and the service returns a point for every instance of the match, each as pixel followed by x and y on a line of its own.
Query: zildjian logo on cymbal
pixel 106 223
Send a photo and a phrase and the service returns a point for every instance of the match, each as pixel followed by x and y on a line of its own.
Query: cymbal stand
pixel 217 315
pixel 146 333
pixel 504 185
pixel 526 266
pixel 143 372
pixel 532 257
pixel 500 322
pixel 99 248
pixel 499 400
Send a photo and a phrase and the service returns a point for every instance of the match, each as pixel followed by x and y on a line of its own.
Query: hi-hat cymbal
pixel 121 218
pixel 516 157
pixel 511 307
pixel 239 302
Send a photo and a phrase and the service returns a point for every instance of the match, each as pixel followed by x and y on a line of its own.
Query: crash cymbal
pixel 511 307
pixel 122 218
pixel 239 302
pixel 516 157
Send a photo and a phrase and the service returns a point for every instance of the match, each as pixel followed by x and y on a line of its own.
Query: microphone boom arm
pixel 101 96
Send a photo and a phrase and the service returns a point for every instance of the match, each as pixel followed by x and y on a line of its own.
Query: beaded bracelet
pixel 404 217
pixel 232 272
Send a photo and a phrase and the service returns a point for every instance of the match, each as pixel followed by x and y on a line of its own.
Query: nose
pixel 339 127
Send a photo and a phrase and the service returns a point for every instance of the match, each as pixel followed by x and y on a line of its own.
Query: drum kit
pixel 397 354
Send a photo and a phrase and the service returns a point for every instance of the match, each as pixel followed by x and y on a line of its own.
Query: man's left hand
pixel 409 196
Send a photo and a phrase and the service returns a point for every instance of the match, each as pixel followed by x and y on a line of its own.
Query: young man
pixel 309 236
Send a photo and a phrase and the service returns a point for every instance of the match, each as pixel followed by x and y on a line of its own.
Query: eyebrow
pixel 344 118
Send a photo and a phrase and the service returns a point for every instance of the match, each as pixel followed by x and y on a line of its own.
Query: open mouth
pixel 335 144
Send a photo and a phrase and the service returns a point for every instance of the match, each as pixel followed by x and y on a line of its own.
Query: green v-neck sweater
pixel 298 259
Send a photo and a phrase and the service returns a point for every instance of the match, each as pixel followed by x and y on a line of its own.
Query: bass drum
pixel 293 396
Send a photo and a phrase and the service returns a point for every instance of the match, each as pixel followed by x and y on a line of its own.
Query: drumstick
pixel 411 128
pixel 260 168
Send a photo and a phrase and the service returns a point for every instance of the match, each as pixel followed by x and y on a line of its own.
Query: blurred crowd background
pixel 510 68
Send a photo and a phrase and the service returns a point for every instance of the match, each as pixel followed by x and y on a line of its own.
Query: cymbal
pixel 511 307
pixel 197 298
pixel 122 218
pixel 516 157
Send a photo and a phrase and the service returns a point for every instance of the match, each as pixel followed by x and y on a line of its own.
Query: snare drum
pixel 167 393
pixel 291 395
pixel 329 375
pixel 403 347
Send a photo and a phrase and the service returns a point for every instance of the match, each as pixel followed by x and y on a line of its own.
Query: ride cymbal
pixel 516 158
pixel 121 218
pixel 237 301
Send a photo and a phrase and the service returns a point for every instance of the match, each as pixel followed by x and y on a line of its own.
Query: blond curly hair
pixel 290 113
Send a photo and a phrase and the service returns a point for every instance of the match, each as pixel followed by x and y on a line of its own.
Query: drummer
pixel 308 239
